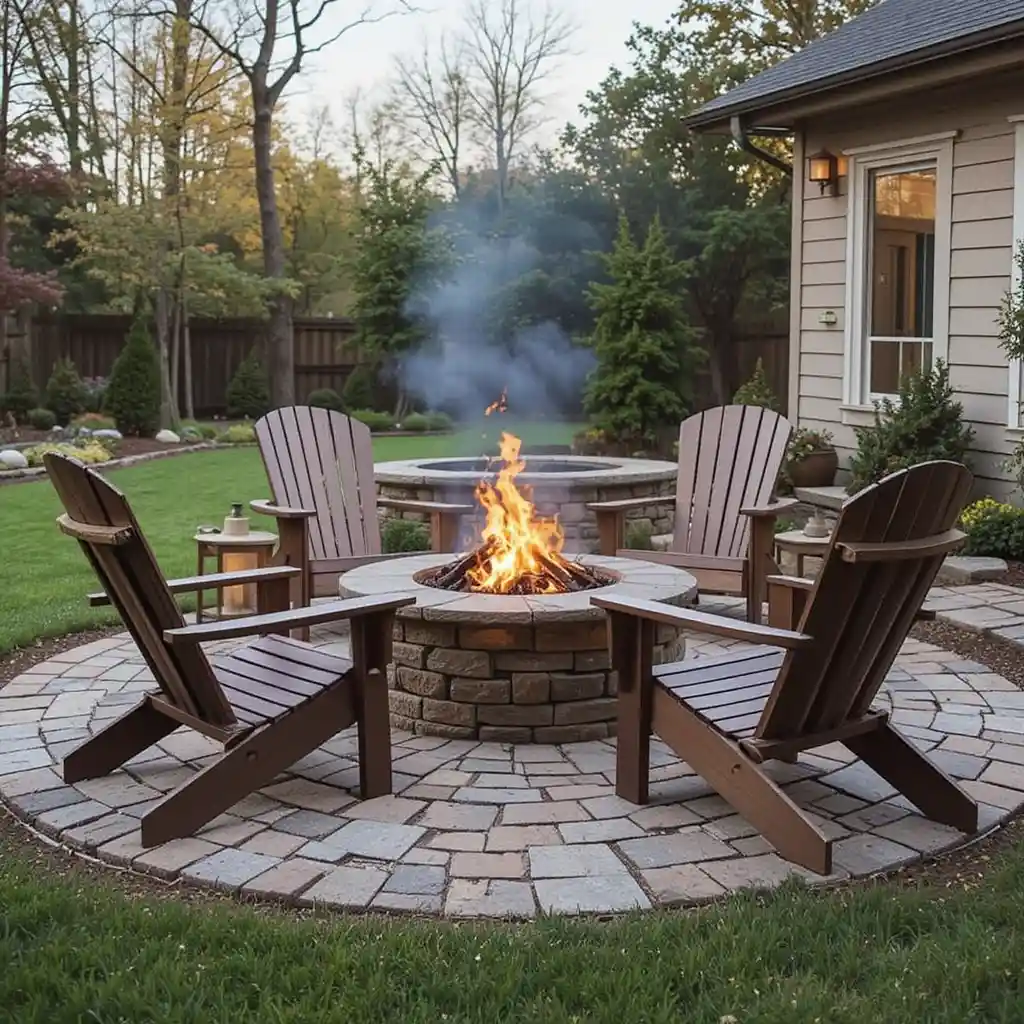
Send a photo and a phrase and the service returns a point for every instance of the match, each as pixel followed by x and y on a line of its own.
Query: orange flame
pixel 517 540
pixel 501 405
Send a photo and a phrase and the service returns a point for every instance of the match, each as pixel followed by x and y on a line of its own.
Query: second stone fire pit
pixel 510 668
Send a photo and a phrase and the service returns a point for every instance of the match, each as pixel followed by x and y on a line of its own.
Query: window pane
pixel 902 253
pixel 885 367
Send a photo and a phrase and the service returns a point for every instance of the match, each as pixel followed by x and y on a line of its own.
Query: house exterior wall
pixel 987 157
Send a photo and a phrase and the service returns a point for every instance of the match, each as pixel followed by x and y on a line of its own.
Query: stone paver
pixel 505 830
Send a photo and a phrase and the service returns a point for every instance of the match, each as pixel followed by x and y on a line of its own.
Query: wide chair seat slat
pixel 728 714
pixel 269 702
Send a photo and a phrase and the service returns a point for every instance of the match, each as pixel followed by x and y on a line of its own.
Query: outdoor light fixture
pixel 823 168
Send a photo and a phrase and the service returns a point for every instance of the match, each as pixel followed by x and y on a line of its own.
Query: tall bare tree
pixel 268 41
pixel 510 52
pixel 432 93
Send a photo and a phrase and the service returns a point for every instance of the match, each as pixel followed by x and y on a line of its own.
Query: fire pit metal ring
pixel 510 668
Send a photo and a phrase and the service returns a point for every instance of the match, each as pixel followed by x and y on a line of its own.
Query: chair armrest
pixel 772 509
pixel 279 622
pixel 700 622
pixel 444 507
pixel 626 504
pixel 793 582
pixel 193 584
pixel 267 508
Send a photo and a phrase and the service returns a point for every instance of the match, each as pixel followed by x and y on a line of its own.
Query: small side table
pixel 798 543
pixel 253 550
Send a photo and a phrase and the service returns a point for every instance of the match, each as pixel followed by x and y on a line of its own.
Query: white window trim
pixel 863 160
pixel 1015 391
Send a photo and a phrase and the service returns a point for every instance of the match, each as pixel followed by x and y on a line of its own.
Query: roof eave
pixel 719 118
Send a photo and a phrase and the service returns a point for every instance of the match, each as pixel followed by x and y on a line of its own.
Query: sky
pixel 363 58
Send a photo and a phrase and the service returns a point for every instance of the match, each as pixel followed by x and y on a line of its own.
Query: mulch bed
pixel 125 447
pixel 962 869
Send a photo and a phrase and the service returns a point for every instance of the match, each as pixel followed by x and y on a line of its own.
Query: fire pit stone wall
pixel 561 484
pixel 510 669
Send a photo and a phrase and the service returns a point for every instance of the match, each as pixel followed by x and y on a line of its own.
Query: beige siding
pixel 980 259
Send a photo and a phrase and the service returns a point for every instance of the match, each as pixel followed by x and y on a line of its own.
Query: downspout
pixel 742 139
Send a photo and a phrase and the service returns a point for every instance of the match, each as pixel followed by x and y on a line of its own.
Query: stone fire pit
pixel 511 669
pixel 561 484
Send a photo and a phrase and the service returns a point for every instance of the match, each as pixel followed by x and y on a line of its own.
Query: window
pixel 899 213
pixel 902 275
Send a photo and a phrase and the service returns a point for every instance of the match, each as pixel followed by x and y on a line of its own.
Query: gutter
pixel 951 47
pixel 742 139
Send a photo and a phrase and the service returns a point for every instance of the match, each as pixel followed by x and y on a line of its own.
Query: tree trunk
pixel 280 350
pixel 168 407
pixel 186 340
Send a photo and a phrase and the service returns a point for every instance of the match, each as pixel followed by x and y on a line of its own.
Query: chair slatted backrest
pixel 886 550
pixel 729 458
pixel 132 580
pixel 323 460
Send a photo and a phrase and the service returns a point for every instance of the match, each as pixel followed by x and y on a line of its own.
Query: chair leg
pixel 925 785
pixel 120 741
pixel 632 641
pixel 254 762
pixel 759 565
pixel 742 783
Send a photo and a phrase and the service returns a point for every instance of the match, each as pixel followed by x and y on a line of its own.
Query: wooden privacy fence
pixel 324 353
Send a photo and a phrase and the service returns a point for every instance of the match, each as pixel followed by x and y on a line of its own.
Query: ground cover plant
pixel 45 582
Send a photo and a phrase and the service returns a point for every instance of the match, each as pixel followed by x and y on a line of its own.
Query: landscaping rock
pixel 109 433
pixel 167 437
pixel 11 459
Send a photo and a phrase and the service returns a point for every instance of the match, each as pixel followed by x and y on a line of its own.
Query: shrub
pixel 639 535
pixel 42 419
pixel 133 393
pixel 90 453
pixel 238 433
pixel 21 395
pixel 923 423
pixel 416 422
pixel 95 390
pixel 994 530
pixel 403 535
pixel 360 390
pixel 248 396
pixel 757 391
pixel 65 394
pixel 201 430
pixel 378 422
pixel 326 398
pixel 94 421
pixel 439 421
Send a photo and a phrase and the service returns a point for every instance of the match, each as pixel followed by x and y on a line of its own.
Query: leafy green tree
pixel 248 395
pixel 644 345
pixel 132 397
pixel 400 254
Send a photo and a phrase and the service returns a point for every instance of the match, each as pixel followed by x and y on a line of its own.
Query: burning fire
pixel 520 545
pixel 501 405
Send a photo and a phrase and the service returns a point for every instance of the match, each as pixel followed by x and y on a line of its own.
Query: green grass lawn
pixel 44 577
pixel 75 951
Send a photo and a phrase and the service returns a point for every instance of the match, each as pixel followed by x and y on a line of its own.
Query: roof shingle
pixel 893 29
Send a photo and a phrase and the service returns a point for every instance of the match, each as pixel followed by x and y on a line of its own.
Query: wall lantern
pixel 823 167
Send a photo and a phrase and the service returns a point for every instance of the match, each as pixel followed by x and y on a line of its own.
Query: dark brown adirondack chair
pixel 729 463
pixel 269 702
pixel 814 675
pixel 320 467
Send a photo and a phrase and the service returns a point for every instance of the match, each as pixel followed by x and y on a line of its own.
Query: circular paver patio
pixel 489 829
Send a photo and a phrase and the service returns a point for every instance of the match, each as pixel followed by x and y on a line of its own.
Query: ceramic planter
pixel 815 470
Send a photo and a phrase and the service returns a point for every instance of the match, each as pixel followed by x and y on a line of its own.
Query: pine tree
pixel 757 391
pixel 132 397
pixel 248 396
pixel 644 344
